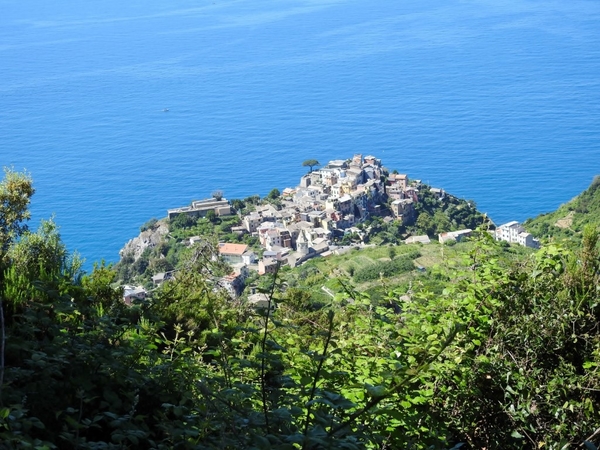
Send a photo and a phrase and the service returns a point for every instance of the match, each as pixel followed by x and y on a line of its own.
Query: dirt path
pixel 566 221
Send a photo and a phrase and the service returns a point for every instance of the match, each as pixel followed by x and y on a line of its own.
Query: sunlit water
pixel 496 101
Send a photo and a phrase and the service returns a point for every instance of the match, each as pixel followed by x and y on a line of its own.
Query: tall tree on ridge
pixel 310 163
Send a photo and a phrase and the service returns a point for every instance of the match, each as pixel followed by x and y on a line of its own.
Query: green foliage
pixel 211 216
pixel 183 221
pixel 98 286
pixel 149 225
pixel 252 200
pixel 428 371
pixel 171 250
pixel 449 213
pixel 567 223
pixel 37 256
pixel 349 239
pixel 493 348
pixel 518 378
pixel 425 223
pixel 383 269
pixel 37 251
pixel 274 194
pixel 16 190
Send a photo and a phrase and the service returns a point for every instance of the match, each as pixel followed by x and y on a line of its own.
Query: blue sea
pixel 495 101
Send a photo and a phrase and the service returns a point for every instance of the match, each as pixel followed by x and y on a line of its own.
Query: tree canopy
pixel 310 163
pixel 274 194
pixel 16 190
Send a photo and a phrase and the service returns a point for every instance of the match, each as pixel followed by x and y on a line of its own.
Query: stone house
pixel 161 277
pixel 337 164
pixel 422 239
pixel 277 237
pixel 266 233
pixel 404 210
pixel 234 283
pixel 260 301
pixel 371 160
pixel 438 193
pixel 305 181
pixel 454 235
pixel 398 179
pixel 267 265
pixel 131 293
pixel 357 160
pixel 252 221
pixel 248 257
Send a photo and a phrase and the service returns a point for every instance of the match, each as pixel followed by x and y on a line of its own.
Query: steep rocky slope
pixel 149 238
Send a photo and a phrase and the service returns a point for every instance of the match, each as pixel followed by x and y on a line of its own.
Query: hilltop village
pixel 328 203
pixel 312 218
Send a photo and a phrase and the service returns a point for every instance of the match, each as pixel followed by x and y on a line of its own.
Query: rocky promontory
pixel 148 238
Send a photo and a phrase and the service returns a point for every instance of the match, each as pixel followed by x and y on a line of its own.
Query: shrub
pixel 384 269
pixel 149 225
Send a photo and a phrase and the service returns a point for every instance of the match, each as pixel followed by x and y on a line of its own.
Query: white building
pixel 423 239
pixel 515 233
pixel 260 301
pixel 232 253
pixel 200 208
pixel 252 221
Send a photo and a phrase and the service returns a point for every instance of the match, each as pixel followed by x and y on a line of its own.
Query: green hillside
pixel 569 220
pixel 491 346
pixel 376 270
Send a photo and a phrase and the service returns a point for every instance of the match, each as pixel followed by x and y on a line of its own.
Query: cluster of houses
pixel 328 202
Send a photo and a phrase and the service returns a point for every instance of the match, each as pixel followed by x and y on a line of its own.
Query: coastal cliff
pixel 148 238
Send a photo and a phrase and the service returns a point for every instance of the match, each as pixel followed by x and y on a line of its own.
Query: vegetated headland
pixel 359 310
pixel 348 204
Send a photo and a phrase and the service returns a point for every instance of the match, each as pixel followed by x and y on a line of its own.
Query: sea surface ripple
pixel 498 102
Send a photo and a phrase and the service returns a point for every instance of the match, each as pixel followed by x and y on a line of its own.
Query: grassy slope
pixel 568 221
pixel 438 260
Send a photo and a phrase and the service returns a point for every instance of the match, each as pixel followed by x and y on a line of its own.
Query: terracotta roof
pixel 232 249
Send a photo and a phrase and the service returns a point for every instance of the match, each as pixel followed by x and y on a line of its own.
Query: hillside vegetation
pixel 490 347
pixel 569 220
